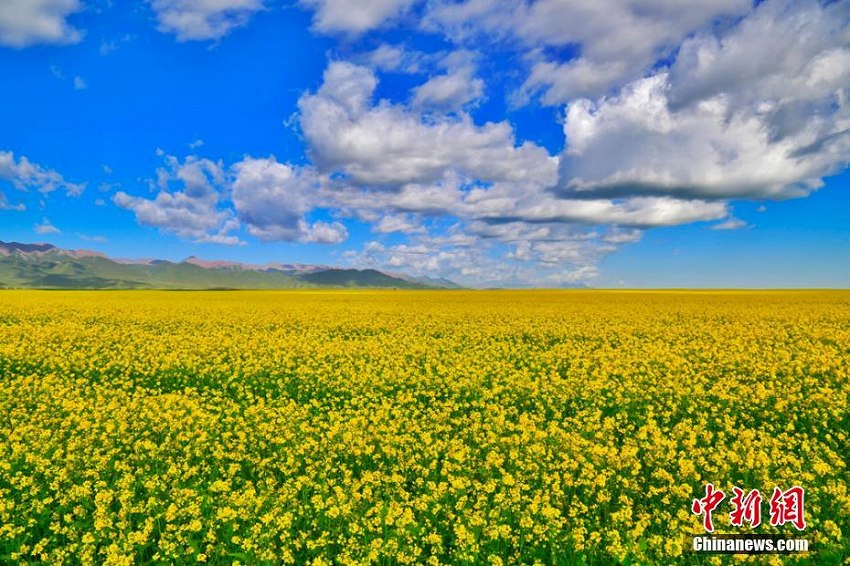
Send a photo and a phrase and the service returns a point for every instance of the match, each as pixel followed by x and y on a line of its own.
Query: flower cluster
pixel 355 427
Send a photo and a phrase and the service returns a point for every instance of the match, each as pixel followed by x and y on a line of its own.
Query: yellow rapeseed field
pixel 356 427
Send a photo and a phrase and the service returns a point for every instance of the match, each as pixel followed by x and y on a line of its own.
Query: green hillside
pixel 58 269
pixel 55 270
pixel 357 278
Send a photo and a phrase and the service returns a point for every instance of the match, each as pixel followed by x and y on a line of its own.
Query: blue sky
pixel 614 143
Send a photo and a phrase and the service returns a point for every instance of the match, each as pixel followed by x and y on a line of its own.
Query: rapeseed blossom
pixel 349 427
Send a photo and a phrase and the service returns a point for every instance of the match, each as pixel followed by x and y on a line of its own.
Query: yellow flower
pixel 359 427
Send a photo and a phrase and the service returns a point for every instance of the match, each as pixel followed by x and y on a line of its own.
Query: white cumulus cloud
pixel 748 114
pixel 354 17
pixel 198 20
pixel 449 92
pixel 388 145
pixel 272 200
pixel 615 40
pixel 188 202
pixel 25 175
pixel 31 22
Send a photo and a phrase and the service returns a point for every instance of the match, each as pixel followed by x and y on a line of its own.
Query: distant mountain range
pixel 45 266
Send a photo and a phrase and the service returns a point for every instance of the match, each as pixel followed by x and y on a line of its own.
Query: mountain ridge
pixel 46 266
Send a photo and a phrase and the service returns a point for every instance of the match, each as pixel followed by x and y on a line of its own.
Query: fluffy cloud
pixel 24 175
pixel 272 199
pixel 405 169
pixel 645 212
pixel 615 40
pixel 395 160
pixel 787 51
pixel 404 223
pixel 188 202
pixel 746 115
pixel 396 58
pixel 562 81
pixel 449 92
pixel 202 200
pixel 670 112
pixel 195 20
pixel 30 22
pixel 484 255
pixel 46 227
pixel 505 253
pixel 325 232
pixel 354 17
pixel 523 203
pixel 452 91
pixel 387 145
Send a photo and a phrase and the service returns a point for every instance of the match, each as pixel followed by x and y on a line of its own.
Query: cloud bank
pixel 671 113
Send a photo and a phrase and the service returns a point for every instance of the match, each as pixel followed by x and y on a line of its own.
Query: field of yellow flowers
pixel 395 427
